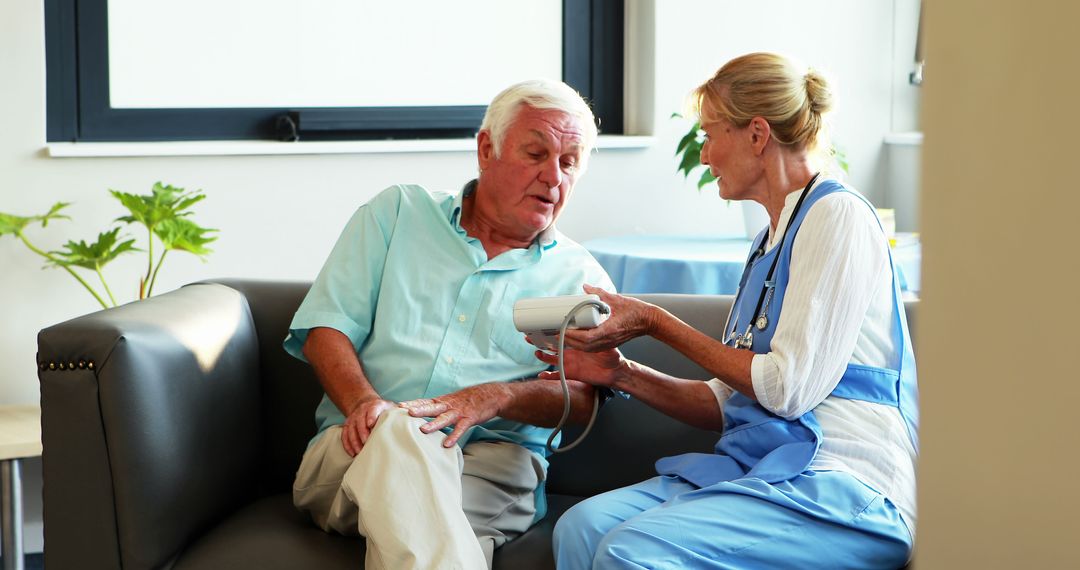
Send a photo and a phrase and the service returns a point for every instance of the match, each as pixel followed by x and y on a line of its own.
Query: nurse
pixel 814 391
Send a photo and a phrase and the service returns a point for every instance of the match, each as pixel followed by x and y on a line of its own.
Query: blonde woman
pixel 814 391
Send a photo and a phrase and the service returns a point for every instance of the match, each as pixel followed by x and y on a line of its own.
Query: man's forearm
pixel 540 402
pixel 338 369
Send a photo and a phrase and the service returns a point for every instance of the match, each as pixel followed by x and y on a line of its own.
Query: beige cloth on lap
pixel 420 505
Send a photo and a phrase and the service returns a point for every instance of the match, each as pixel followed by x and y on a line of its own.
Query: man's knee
pixel 393 427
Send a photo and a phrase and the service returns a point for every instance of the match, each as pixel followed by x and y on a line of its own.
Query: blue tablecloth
pixel 698 264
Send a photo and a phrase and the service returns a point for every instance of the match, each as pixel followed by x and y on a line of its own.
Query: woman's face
pixel 728 155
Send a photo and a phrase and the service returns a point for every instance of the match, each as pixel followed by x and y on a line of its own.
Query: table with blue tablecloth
pixel 701 264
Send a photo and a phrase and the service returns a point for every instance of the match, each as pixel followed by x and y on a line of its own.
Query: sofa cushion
pixel 532 550
pixel 271 534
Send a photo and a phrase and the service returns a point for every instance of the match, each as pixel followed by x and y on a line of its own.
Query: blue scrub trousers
pixel 816 520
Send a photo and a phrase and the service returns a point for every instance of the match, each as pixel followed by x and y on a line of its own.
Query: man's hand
pixel 357 427
pixel 462 409
pixel 597 368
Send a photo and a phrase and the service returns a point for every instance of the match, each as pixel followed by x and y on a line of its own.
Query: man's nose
pixel 550 173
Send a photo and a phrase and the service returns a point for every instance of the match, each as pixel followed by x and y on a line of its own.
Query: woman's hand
pixel 602 368
pixel 630 318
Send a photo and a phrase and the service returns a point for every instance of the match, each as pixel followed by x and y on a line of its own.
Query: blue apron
pixel 756 443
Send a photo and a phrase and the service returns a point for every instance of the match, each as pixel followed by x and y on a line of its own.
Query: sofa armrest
pixel 150 426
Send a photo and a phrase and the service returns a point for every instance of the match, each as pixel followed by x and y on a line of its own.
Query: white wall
pixel 279 215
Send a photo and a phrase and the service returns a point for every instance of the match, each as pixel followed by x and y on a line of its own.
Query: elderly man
pixel 412 316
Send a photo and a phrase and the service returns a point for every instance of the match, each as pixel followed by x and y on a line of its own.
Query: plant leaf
pixel 182 234
pixel 12 224
pixel 841 158
pixel 689 162
pixel 164 202
pixel 93 256
pixel 689 147
pixel 189 202
pixel 686 140
pixel 706 179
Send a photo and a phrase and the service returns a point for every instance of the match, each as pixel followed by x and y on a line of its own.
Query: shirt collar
pixel 546 239
pixel 785 214
pixel 455 205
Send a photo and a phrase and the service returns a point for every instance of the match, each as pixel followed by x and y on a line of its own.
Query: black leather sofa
pixel 172 428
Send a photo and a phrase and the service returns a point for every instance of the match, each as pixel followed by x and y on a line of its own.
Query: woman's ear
pixel 760 133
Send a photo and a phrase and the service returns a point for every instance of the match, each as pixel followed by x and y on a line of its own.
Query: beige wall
pixel 998 336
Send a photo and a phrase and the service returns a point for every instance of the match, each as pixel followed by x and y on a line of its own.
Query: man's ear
pixel 760 133
pixel 485 149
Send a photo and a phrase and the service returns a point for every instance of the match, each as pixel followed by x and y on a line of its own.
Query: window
pixel 85 80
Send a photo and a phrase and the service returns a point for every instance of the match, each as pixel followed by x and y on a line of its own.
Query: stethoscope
pixel 746 339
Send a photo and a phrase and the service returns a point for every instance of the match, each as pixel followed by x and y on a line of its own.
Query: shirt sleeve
pixel 720 390
pixel 601 279
pixel 344 295
pixel 836 264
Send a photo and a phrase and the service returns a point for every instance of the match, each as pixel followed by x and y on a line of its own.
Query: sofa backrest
pixel 290 391
pixel 621 449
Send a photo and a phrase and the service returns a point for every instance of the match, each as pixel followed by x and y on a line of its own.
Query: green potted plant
pixel 165 213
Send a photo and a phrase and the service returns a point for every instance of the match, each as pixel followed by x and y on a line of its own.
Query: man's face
pixel 525 188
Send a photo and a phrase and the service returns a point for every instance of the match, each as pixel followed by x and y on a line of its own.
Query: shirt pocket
pixel 507 339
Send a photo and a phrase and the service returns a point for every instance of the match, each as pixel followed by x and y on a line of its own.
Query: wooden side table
pixel 20 437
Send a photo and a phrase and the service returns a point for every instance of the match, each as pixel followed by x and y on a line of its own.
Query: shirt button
pixel 449 359
pixel 461 318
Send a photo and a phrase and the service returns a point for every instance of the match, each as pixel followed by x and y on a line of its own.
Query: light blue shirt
pixel 426 310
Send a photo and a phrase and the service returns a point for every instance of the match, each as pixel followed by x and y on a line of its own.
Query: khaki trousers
pixel 420 505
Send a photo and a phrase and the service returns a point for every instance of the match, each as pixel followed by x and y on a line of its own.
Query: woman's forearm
pixel 689 401
pixel 730 365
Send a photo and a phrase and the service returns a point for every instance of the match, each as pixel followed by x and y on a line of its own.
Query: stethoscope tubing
pixel 745 340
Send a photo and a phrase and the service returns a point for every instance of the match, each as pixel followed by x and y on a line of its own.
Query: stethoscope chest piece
pixel 743 341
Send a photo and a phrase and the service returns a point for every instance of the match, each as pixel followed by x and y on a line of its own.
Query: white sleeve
pixel 836 263
pixel 720 391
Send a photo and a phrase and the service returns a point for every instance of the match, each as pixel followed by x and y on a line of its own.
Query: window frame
pixel 78 110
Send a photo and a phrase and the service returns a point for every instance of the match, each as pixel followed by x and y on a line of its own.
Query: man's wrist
pixel 364 399
pixel 623 375
pixel 504 395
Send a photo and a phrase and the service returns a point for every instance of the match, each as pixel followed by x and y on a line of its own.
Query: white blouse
pixel 838 309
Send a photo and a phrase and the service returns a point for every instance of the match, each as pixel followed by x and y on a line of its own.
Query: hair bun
pixel 817 92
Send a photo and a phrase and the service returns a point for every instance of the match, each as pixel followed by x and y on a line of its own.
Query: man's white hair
pixel 538 94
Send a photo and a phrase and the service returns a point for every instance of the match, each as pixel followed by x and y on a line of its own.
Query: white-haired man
pixel 411 317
